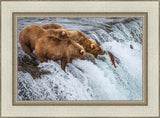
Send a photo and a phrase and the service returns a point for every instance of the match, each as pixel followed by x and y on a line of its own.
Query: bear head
pixel 95 49
pixel 89 45
pixel 77 50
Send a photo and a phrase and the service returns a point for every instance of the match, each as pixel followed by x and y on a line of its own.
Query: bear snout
pixel 103 52
pixel 83 58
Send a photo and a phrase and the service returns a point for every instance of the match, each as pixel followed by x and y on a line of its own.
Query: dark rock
pixel 28 65
pixel 131 46
pixel 90 58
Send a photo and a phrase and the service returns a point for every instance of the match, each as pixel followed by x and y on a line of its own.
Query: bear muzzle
pixel 83 58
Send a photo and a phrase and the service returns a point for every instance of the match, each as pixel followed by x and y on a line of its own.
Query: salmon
pixel 112 59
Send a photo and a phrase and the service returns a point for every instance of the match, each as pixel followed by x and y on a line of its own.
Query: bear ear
pixel 92 46
pixel 79 33
pixel 91 39
pixel 63 33
pixel 81 51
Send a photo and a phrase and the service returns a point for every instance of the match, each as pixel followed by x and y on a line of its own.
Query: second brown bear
pixel 54 49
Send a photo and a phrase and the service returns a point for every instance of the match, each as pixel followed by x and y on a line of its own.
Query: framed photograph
pixel 79 58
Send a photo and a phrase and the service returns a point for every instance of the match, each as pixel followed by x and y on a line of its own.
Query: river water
pixel 90 79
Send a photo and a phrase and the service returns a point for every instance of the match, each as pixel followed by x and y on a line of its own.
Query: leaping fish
pixel 112 59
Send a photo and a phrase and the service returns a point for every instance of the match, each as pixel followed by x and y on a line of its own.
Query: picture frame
pixel 82 102
pixel 148 10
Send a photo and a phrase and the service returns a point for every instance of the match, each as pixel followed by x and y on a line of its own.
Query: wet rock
pixel 112 23
pixel 102 58
pixel 90 58
pixel 131 46
pixel 28 65
pixel 109 30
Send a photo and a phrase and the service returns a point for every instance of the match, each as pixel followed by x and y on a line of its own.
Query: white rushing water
pixel 90 79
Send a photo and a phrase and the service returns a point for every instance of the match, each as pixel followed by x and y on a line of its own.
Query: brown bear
pixel 52 26
pixel 52 48
pixel 29 35
pixel 89 45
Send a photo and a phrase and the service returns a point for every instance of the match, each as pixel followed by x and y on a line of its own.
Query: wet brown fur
pixel 79 37
pixel 51 26
pixel 54 49
pixel 29 35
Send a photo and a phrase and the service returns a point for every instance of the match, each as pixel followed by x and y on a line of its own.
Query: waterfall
pixel 94 79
